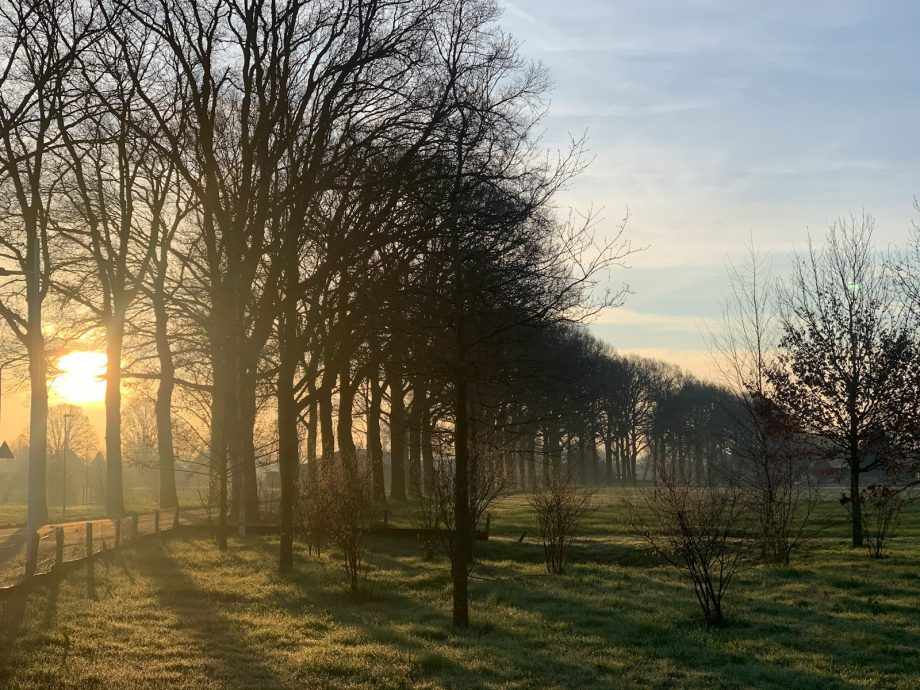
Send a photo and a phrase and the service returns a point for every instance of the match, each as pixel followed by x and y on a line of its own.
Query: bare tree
pixel 41 42
pixel 849 366
pixel 772 462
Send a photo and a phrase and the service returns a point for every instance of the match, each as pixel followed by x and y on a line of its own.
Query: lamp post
pixel 67 418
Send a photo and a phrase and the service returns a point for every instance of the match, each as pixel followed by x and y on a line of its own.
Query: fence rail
pixel 56 547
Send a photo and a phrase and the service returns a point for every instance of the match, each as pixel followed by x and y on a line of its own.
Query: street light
pixel 67 418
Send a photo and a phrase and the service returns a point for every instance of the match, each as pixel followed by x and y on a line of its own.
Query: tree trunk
pixel 374 444
pixel 38 428
pixel 855 502
pixel 414 424
pixel 428 477
pixel 288 451
pixel 583 460
pixel 163 407
pixel 397 440
pixel 608 457
pixel 554 451
pixel 633 458
pixel 530 451
pixel 346 441
pixel 327 431
pixel 114 491
pixel 463 542
pixel 312 428
pixel 218 450
pixel 247 454
pixel 594 459
pixel 520 453
pixel 509 457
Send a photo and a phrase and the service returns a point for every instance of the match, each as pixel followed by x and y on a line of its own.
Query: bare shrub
pixel 310 513
pixel 880 515
pixel 428 515
pixel 337 508
pixel 559 508
pixel 206 501
pixel 435 510
pixel 777 475
pixel 769 459
pixel 703 532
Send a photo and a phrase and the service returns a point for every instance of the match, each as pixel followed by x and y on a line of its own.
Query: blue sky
pixel 716 122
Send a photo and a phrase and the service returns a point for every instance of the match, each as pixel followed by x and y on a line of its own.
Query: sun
pixel 80 377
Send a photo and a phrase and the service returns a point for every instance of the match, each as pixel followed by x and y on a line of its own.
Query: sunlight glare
pixel 80 377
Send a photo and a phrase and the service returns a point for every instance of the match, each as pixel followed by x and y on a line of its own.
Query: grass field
pixel 14 514
pixel 182 615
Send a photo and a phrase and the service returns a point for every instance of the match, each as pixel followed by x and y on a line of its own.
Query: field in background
pixel 181 614
pixel 14 514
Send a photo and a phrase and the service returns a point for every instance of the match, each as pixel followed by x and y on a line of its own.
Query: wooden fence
pixel 55 548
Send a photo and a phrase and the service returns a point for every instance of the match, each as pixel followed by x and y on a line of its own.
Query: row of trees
pixel 288 205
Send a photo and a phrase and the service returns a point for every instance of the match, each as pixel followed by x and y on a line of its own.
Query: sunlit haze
pixel 80 378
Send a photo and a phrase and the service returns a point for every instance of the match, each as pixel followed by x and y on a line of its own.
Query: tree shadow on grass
pixel 13 613
pixel 714 654
pixel 222 641
pixel 401 617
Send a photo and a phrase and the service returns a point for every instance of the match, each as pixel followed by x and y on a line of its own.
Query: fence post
pixel 134 526
pixel 384 519
pixel 89 539
pixel 32 560
pixel 156 521
pixel 176 518
pixel 117 532
pixel 58 547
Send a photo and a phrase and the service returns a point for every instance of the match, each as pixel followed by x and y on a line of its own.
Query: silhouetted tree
pixel 849 368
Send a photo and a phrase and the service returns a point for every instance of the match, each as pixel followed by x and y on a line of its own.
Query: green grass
pixel 183 615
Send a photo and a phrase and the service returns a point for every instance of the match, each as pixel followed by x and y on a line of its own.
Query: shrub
pixel 881 513
pixel 311 515
pixel 559 508
pixel 703 532
pixel 337 508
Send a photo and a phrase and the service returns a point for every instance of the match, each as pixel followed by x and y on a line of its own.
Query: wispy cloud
pixel 622 316
pixel 717 121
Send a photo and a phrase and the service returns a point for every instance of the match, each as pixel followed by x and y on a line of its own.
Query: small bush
pixel 881 507
pixel 311 518
pixel 703 532
pixel 559 508
pixel 337 508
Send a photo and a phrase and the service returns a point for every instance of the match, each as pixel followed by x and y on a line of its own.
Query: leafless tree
pixel 771 459
pixel 41 42
pixel 849 365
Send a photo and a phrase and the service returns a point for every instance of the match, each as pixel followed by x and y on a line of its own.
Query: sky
pixel 717 123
